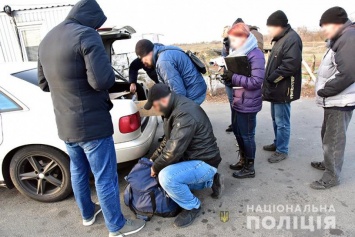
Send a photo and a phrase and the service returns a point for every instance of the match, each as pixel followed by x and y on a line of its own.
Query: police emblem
pixel 224 216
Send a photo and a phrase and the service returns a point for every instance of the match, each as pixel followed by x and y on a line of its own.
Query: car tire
pixel 41 173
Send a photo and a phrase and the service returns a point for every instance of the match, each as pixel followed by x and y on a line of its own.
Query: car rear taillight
pixel 130 123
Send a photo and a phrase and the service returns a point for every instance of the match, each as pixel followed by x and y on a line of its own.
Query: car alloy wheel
pixel 41 173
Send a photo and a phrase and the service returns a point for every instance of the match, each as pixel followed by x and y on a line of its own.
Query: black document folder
pixel 238 65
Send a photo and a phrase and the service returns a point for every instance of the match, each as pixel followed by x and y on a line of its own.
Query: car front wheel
pixel 41 173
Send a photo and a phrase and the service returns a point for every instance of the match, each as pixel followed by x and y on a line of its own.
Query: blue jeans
pixel 99 156
pixel 201 99
pixel 179 179
pixel 229 91
pixel 244 125
pixel 280 113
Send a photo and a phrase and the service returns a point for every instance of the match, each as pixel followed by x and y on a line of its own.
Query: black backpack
pixel 201 67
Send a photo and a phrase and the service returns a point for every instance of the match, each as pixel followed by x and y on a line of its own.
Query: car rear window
pixel 30 76
pixel 7 104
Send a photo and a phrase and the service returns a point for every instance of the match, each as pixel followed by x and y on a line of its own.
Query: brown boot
pixel 240 164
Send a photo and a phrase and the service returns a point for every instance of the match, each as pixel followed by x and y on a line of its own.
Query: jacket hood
pixel 253 28
pixel 87 13
pixel 158 48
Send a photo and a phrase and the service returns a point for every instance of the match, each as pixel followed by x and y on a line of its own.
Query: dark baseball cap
pixel 157 92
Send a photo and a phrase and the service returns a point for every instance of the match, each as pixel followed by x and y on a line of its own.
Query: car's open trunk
pixel 122 86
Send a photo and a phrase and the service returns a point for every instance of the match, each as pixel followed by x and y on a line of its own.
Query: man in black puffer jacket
pixel 188 156
pixel 75 68
pixel 283 80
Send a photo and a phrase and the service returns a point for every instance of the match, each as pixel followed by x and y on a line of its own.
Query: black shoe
pixel 217 186
pixel 229 129
pixel 271 147
pixel 247 171
pixel 186 217
pixel 160 139
pixel 318 165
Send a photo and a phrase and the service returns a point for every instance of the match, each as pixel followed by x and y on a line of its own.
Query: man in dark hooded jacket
pixel 75 68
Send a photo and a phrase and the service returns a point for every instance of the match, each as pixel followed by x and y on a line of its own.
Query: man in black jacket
pixel 134 67
pixel 283 80
pixel 188 157
pixel 78 74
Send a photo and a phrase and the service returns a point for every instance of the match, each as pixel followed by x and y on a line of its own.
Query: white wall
pixel 40 19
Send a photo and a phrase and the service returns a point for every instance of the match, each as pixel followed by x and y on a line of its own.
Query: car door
pixel 6 105
pixel 1 136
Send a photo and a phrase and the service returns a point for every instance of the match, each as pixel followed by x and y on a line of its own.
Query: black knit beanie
pixel 277 18
pixel 144 47
pixel 239 20
pixel 336 15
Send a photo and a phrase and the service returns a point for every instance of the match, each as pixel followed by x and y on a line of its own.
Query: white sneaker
pixel 92 220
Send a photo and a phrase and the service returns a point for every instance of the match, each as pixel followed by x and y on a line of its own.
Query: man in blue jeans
pixel 283 81
pixel 188 157
pixel 78 74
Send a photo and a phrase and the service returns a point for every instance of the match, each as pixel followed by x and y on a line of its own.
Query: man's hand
pixel 321 93
pixel 152 172
pixel 133 88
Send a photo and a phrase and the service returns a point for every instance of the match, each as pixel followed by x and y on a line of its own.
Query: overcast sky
pixel 183 21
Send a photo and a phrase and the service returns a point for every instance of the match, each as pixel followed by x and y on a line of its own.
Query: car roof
pixel 11 68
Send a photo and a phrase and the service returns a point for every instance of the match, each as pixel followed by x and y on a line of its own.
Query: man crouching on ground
pixel 188 157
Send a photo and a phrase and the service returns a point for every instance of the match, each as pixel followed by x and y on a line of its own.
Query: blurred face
pixel 236 41
pixel 162 104
pixel 148 60
pixel 274 30
pixel 331 30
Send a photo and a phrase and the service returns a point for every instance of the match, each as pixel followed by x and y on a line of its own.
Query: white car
pixel 32 157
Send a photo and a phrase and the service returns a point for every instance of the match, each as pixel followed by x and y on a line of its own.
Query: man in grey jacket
pixel 335 93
